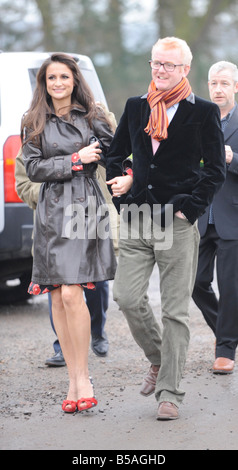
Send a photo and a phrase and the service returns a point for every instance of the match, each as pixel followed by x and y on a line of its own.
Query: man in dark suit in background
pixel 168 131
pixel 219 229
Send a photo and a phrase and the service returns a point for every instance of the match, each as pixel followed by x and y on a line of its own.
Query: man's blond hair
pixel 176 43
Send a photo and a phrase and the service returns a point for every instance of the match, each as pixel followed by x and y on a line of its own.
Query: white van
pixel 17 81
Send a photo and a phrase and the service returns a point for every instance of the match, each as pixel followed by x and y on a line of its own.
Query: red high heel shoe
pixel 86 403
pixel 69 406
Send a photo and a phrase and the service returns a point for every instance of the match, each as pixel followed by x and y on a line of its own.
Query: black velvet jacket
pixel 174 174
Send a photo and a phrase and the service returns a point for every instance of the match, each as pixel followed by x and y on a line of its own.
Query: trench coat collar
pixel 232 127
pixel 74 109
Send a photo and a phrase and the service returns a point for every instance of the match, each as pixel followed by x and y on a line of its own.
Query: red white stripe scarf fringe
pixel 159 101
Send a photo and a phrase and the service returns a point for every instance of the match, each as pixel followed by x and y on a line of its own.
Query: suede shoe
pixel 57 360
pixel 167 411
pixel 223 365
pixel 99 344
pixel 149 382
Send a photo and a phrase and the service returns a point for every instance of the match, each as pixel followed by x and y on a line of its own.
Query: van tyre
pixel 10 294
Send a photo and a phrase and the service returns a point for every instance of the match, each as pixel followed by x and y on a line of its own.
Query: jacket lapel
pixel 145 114
pixel 183 110
pixel 232 125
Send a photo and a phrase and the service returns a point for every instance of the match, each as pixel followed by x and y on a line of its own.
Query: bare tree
pixel 96 28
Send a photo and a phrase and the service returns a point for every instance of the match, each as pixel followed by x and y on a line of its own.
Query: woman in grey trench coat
pixel 65 136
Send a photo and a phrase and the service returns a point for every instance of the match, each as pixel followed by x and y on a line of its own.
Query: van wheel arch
pixel 10 294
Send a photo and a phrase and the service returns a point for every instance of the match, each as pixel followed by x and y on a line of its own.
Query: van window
pixel 32 75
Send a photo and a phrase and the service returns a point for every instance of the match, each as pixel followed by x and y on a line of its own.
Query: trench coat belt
pixel 68 195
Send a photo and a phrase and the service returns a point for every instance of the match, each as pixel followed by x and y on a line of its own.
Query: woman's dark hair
pixel 41 106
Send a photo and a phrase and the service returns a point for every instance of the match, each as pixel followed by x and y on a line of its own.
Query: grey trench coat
pixel 72 242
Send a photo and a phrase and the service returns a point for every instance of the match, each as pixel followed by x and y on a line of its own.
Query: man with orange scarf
pixel 169 131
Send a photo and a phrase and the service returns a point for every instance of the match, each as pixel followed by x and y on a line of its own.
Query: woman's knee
pixel 71 295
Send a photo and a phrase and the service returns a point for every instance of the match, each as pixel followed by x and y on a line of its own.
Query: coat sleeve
pixel 213 170
pixel 109 116
pixel 26 189
pixel 104 131
pixel 120 147
pixel 39 169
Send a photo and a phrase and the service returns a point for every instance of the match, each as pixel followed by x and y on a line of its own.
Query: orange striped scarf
pixel 159 101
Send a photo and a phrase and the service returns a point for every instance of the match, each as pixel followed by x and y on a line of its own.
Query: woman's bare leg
pixel 72 323
pixel 61 327
pixel 79 326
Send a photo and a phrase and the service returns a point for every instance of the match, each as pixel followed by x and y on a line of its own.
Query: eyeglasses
pixel 168 66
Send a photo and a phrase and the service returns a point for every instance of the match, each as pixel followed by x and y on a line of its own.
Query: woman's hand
pixel 90 154
pixel 120 185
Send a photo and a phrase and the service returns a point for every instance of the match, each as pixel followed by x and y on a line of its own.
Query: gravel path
pixel 31 393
